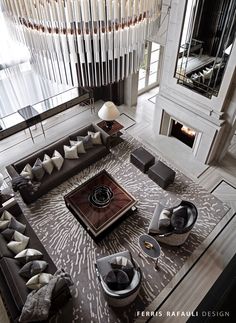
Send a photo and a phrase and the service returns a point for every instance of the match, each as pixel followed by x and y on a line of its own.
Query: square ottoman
pixel 142 159
pixel 161 174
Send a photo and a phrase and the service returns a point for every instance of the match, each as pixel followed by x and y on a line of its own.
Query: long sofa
pixel 13 288
pixel 69 168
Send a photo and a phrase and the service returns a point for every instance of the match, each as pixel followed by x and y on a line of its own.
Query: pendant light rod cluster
pixel 87 43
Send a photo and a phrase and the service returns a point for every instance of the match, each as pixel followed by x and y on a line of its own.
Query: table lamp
pixel 108 113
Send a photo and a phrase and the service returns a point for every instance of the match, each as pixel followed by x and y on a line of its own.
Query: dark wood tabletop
pixel 98 218
pixel 116 127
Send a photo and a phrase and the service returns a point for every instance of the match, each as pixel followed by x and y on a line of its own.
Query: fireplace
pixel 183 133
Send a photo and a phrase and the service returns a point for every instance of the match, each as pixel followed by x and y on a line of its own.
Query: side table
pixel 114 132
pixel 150 248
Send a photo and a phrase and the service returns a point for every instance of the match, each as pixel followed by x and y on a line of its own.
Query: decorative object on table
pixel 161 174
pixel 110 270
pixel 142 159
pixel 181 221
pixel 150 247
pixel 101 196
pixel 108 113
pixel 103 41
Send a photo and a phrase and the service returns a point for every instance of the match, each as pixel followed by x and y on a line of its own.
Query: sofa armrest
pixel 26 193
pixel 104 135
pixel 11 171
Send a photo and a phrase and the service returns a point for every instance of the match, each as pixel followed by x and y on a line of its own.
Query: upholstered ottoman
pixel 142 159
pixel 161 174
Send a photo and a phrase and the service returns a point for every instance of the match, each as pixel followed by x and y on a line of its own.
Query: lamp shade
pixel 108 111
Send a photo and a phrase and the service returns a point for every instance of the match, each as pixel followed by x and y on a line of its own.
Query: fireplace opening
pixel 183 133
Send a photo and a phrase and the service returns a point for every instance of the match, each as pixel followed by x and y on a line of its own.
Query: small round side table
pixel 150 247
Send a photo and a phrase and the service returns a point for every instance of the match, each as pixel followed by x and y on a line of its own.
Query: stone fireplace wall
pixel 213 119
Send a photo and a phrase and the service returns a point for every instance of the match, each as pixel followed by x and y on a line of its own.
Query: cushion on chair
pixel 117 279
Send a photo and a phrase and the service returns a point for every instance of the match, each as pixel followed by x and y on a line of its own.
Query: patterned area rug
pixel 73 249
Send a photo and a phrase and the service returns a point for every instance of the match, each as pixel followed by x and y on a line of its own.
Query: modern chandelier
pixel 85 43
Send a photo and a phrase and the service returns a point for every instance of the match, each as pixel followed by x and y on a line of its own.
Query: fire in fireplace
pixel 183 133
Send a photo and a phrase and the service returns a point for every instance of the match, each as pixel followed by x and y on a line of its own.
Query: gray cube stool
pixel 142 159
pixel 161 174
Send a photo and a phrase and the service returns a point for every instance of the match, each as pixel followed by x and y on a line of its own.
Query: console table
pixel 28 116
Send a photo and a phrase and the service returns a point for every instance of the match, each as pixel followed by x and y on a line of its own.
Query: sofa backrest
pixel 19 165
pixel 82 132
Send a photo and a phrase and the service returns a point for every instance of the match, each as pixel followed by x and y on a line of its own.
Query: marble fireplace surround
pixel 206 130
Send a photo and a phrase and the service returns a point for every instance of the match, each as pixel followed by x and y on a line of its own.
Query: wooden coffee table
pixel 99 203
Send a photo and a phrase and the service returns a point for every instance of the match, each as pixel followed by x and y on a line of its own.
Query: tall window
pixel 149 71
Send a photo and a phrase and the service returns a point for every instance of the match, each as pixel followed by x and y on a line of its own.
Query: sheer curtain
pixel 20 85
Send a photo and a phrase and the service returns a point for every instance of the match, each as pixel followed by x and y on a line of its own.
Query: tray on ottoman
pixel 161 174
pixel 142 159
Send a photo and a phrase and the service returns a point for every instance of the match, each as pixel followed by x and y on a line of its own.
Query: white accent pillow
pixel 19 243
pixel 71 152
pixel 39 280
pixel 5 220
pixel 57 160
pixel 96 137
pixel 208 74
pixel 80 146
pixel 27 172
pixel 47 164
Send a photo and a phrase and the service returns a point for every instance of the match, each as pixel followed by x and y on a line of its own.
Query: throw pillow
pixel 39 281
pixel 27 172
pixel 87 141
pixel 179 218
pixel 38 170
pixel 96 137
pixel 208 73
pixel 16 225
pixel 124 264
pixel 71 152
pixel 57 160
pixel 20 242
pixel 8 234
pixel 117 279
pixel 29 255
pixel 164 219
pixel 79 145
pixel 47 164
pixel 5 220
pixel 33 268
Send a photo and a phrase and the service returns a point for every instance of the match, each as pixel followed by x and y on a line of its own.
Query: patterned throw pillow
pixel 96 137
pixel 27 172
pixel 28 255
pixel 79 145
pixel 71 152
pixel 19 243
pixel 47 164
pixel 39 281
pixel 87 141
pixel 38 170
pixel 57 160
pixel 32 268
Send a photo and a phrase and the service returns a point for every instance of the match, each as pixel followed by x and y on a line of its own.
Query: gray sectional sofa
pixel 13 288
pixel 70 167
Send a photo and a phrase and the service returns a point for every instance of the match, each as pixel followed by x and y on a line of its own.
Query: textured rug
pixel 72 248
